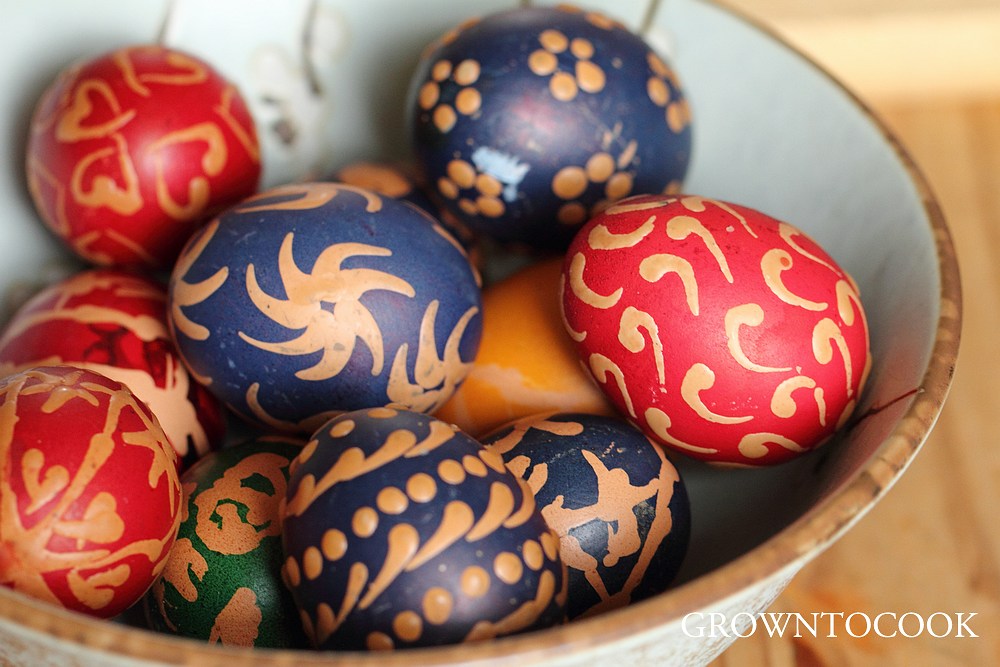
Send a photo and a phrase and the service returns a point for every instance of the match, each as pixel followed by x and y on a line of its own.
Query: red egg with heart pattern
pixel 89 490
pixel 130 151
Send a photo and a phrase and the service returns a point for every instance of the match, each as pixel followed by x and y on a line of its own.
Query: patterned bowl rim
pixel 774 561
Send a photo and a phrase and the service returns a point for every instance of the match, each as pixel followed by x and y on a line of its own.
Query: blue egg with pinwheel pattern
pixel 401 531
pixel 528 121
pixel 312 299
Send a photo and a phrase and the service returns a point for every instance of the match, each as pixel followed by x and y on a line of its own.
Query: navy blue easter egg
pixel 618 505
pixel 529 121
pixel 222 580
pixel 402 531
pixel 311 299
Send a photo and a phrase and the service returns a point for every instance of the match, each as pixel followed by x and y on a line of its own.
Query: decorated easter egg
pixel 130 151
pixel 526 362
pixel 89 487
pixel 528 121
pixel 618 505
pixel 222 580
pixel 316 298
pixel 401 531
pixel 114 322
pixel 724 333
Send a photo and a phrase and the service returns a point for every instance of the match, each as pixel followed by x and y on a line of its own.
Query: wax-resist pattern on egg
pixel 130 151
pixel 618 505
pixel 529 121
pixel 221 582
pixel 114 322
pixel 724 333
pixel 89 487
pixel 401 531
pixel 311 299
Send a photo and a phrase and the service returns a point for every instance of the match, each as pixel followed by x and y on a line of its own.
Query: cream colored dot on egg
pixel 468 101
pixel 312 563
pixel 572 213
pixel 444 118
pixel 364 522
pixel 467 72
pixel 429 95
pixel 618 186
pixel 553 41
pixel 293 576
pixel 542 62
pixel 392 500
pixel 474 465
pixel 447 188
pixel 489 185
pixel 408 625
pixel 475 581
pixel 333 544
pixel 462 173
pixel 533 556
pixel 441 70
pixel 658 91
pixel 508 567
pixel 569 182
pixel 581 48
pixel 437 605
pixel 451 472
pixel 421 487
pixel 563 86
pixel 599 167
pixel 491 207
pixel 379 641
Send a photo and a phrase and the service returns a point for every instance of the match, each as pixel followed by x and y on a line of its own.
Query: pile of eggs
pixel 433 458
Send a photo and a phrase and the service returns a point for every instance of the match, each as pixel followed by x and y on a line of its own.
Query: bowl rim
pixel 783 553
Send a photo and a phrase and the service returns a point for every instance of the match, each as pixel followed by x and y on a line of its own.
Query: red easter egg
pixel 131 151
pixel 89 490
pixel 723 333
pixel 114 322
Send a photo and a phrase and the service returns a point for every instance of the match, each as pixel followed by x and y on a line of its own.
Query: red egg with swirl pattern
pixel 721 331
pixel 114 322
pixel 130 151
pixel 89 490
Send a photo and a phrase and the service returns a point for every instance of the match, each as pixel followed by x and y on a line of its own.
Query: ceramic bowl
pixel 326 79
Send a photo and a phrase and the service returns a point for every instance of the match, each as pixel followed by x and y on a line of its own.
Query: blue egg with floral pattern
pixel 618 504
pixel 529 121
pixel 311 299
pixel 401 531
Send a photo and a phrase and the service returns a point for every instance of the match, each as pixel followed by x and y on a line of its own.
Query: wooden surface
pixel 932 544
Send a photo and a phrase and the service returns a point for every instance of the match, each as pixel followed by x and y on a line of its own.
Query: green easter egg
pixel 222 581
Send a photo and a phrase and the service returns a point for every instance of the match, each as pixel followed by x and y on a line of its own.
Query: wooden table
pixel 932 544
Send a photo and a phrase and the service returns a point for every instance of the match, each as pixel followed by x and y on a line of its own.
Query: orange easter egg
pixel 526 362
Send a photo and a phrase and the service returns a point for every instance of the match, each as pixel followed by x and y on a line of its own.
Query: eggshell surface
pixel 90 490
pixel 722 332
pixel 222 580
pixel 312 299
pixel 401 531
pixel 131 150
pixel 526 363
pixel 619 506
pixel 114 322
pixel 527 121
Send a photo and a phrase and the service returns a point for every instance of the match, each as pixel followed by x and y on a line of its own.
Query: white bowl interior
pixel 771 131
